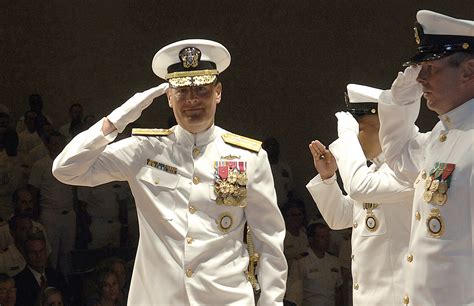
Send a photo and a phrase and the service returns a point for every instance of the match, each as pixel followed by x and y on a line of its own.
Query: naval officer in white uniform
pixel 377 207
pixel 440 269
pixel 195 185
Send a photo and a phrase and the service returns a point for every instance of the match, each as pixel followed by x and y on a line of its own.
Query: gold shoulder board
pixel 151 132
pixel 243 142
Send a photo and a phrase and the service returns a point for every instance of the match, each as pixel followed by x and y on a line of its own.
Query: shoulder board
pixel 151 132
pixel 243 142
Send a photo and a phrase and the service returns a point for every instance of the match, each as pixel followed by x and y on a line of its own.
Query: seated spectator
pixel 296 241
pixel 75 125
pixel 108 290
pixel 7 290
pixel 50 296
pixel 10 171
pixel 37 275
pixel 103 206
pixel 25 204
pixel 11 260
pixel 56 204
pixel 21 226
pixel 119 266
pixel 29 138
pixel 35 102
pixel 316 278
pixel 282 174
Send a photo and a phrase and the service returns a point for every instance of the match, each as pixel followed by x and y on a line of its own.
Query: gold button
pixel 189 272
pixel 418 216
pixel 189 239
pixel 157 181
pixel 196 152
pixel 406 300
pixel 356 286
pixel 443 137
pixel 196 180
pixel 192 209
pixel 355 224
pixel 410 258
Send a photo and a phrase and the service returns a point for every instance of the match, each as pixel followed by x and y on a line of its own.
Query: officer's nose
pixel 421 78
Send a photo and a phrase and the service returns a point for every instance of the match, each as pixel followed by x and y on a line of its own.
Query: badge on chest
pixel 371 221
pixel 230 183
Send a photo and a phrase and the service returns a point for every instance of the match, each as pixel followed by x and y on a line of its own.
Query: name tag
pixel 161 166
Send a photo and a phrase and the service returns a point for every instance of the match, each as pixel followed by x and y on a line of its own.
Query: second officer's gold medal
pixel 440 198
pixel 443 187
pixel 435 224
pixel 224 222
pixel 434 185
pixel 427 196
pixel 371 221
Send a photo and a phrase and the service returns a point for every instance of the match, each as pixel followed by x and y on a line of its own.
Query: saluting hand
pixel 132 109
pixel 324 161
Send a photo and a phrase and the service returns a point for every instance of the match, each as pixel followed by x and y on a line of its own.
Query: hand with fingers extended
pixel 405 89
pixel 346 124
pixel 132 109
pixel 324 161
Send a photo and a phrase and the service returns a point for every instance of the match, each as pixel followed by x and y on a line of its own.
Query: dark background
pixel 291 60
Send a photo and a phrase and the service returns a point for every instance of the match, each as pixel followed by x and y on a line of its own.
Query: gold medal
pixel 428 181
pixel 371 222
pixel 439 198
pixel 242 179
pixel 434 185
pixel 224 222
pixel 427 196
pixel 435 224
pixel 443 187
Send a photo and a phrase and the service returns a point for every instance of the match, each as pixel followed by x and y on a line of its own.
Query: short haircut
pixel 459 57
pixel 293 203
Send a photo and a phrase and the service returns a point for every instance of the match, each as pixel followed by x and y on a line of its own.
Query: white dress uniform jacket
pixel 442 268
pixel 377 255
pixel 183 258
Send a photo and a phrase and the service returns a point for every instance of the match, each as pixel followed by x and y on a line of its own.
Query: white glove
pixel 132 109
pixel 405 89
pixel 346 124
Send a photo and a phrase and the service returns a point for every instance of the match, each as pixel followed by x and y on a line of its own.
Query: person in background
pixel 7 290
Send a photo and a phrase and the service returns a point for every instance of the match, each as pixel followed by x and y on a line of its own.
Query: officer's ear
pixel 218 90
pixel 468 70
pixel 168 95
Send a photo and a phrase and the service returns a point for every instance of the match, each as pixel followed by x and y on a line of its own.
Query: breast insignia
pixel 243 142
pixel 151 132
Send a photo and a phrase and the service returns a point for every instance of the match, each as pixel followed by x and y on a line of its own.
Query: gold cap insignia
pixel 190 57
pixel 243 142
